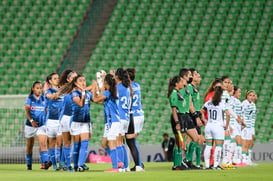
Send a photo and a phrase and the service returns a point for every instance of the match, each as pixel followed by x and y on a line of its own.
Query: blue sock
pixel 52 153
pixel 114 158
pixel 59 154
pixel 62 156
pixel 138 152
pixel 125 156
pixel 29 159
pixel 40 156
pixel 44 156
pixel 107 149
pixel 120 154
pixel 76 154
pixel 67 156
pixel 83 152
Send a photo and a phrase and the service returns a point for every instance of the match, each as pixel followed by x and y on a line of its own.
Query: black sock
pixel 134 151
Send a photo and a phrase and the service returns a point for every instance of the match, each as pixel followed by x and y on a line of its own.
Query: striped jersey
pixel 248 111
pixel 237 109
pixel 254 115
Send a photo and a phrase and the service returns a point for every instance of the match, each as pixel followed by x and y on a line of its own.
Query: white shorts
pixel 138 123
pixel 112 132
pixel 253 131
pixel 53 128
pixel 214 131
pixel 247 134
pixel 124 125
pixel 78 128
pixel 236 130
pixel 31 132
pixel 65 123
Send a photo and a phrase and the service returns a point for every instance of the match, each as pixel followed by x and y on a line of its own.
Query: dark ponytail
pixel 110 79
pixel 212 86
pixel 235 88
pixel 64 76
pixel 123 76
pixel 217 97
pixel 68 88
pixel 172 83
pixel 33 85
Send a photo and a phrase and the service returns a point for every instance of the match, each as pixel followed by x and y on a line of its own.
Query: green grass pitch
pixel 153 172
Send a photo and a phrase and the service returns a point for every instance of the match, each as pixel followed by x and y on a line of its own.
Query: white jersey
pixel 215 113
pixel 236 106
pixel 248 112
pixel 254 116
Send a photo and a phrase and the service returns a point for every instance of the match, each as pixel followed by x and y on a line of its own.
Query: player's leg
pixel 198 148
pixel 67 141
pixel 29 148
pixel 75 133
pixel 60 155
pixel 244 146
pixel 85 135
pixel 209 142
pixel 226 148
pixel 42 141
pixel 122 151
pixel 238 149
pixel 218 135
pixel 251 144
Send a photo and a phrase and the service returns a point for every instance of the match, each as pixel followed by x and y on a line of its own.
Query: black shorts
pixel 131 128
pixel 198 129
pixel 185 122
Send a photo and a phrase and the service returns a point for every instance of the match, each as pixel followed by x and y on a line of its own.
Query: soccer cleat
pixel 127 169
pixel 85 167
pixel 121 169
pixel 217 168
pixel 114 170
pixel 47 165
pixel 55 168
pixel 179 168
pixel 70 169
pixel 184 164
pixel 81 169
pixel 29 167
pixel 120 164
pixel 139 169
pixel 75 169
pixel 42 166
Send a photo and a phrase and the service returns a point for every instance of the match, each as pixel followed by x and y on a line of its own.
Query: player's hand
pixel 199 122
pixel 79 87
pixel 34 124
pixel 231 129
pixel 177 127
pixel 243 125
pixel 238 119
pixel 225 127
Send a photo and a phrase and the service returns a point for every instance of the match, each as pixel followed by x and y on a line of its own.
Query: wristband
pixel 97 92
pixel 83 93
pixel 195 115
pixel 31 120
pixel 177 122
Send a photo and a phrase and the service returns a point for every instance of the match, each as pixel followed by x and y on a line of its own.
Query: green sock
pixel 191 150
pixel 177 155
pixel 198 150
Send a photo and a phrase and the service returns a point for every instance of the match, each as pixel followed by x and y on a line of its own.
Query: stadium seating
pixel 33 37
pixel 217 37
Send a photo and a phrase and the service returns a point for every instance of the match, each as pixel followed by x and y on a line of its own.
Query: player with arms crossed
pixel 215 128
pixel 53 128
pixel 35 124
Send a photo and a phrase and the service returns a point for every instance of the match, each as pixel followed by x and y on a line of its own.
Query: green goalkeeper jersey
pixel 195 97
pixel 177 100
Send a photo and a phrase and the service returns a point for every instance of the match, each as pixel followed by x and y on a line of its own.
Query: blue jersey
pixel 54 106
pixel 110 109
pixel 123 102
pixel 37 109
pixel 81 114
pixel 136 104
pixel 67 105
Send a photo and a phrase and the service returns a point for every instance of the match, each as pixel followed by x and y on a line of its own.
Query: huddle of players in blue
pixel 62 114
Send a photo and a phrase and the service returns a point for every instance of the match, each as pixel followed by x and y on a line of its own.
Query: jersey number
pixel 213 114
pixel 125 103
pixel 135 99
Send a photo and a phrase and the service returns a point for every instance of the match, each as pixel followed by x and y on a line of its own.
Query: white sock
pixel 237 154
pixel 226 146
pixel 207 155
pixel 217 155
pixel 244 158
pixel 231 152
pixel 249 155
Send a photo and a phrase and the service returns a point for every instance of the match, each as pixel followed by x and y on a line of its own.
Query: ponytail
pixel 217 96
pixel 171 85
pixel 109 78
pixel 68 88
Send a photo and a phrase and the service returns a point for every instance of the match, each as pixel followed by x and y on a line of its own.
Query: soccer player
pixel 66 77
pixel 167 147
pixel 215 128
pixel 80 128
pixel 228 91
pixel 112 120
pixel 196 116
pixel 136 122
pixel 208 95
pixel 53 128
pixel 189 126
pixel 253 130
pixel 178 106
pixel 35 124
pixel 124 94
pixel 237 127
pixel 248 111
